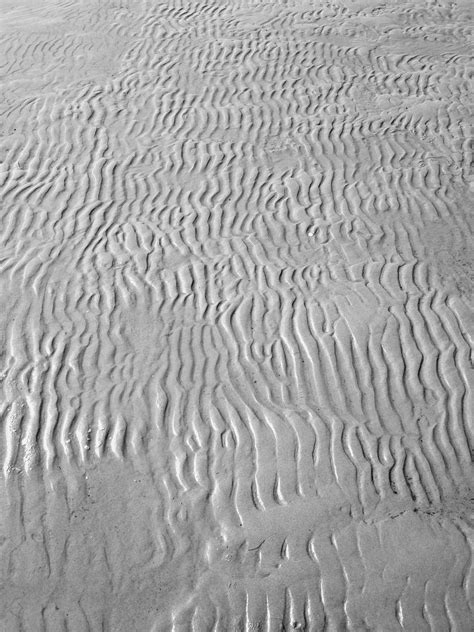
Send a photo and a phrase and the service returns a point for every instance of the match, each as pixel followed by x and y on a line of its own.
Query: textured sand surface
pixel 236 275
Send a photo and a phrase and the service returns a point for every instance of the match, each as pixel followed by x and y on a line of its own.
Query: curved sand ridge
pixel 237 324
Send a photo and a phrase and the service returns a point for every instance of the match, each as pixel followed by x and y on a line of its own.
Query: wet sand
pixel 236 280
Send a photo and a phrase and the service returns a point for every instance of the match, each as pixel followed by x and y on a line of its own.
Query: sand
pixel 236 316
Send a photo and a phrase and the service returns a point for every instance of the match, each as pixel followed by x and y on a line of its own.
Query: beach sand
pixel 236 320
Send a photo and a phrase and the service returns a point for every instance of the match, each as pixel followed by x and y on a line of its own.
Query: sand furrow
pixel 237 325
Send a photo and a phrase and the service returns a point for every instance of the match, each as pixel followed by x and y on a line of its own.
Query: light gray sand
pixel 237 287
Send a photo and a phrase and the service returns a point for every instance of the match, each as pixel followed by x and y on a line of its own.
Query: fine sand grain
pixel 236 322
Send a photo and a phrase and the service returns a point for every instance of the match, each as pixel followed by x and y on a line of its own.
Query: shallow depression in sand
pixel 236 316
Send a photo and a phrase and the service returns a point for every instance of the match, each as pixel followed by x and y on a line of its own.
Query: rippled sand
pixel 236 280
